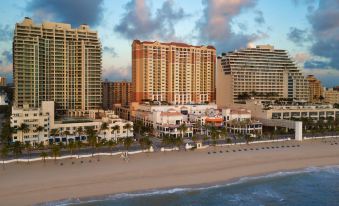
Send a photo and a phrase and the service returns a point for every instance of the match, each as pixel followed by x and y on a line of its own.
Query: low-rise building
pixel 315 89
pixel 3 98
pixel 240 121
pixel 331 96
pixel 35 125
pixel 267 109
pixel 3 81
pixel 169 119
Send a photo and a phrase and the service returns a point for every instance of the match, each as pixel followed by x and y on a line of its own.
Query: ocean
pixel 307 187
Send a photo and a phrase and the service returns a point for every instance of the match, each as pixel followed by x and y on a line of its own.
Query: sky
pixel 307 29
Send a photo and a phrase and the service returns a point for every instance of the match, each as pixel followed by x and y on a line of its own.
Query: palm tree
pixel 44 154
pixel 104 126
pixel 39 129
pixel 71 146
pixel 54 132
pixel 214 135
pixel 145 143
pixel 24 128
pixel 17 150
pixel 92 138
pixel 199 126
pixel 128 126
pixel 138 126
pixel 80 131
pixel 55 151
pixel 166 140
pixel 28 148
pixel 4 155
pixel 248 138
pixel 115 128
pixel 66 133
pixel 127 143
pixel 111 144
pixel 78 145
pixel 223 132
pixel 178 141
pixel 183 129
pixel 195 139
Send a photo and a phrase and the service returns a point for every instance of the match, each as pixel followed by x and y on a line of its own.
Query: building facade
pixel 315 89
pixel 177 73
pixel 67 129
pixel 262 72
pixel 3 81
pixel 116 93
pixel 264 109
pixel 167 119
pixel 239 121
pixel 331 96
pixel 54 62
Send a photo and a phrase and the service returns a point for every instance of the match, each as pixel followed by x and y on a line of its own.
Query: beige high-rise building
pixel 316 89
pixel 262 72
pixel 116 93
pixel 54 62
pixel 174 72
pixel 3 81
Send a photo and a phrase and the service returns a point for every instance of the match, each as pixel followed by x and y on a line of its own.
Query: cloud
pixel 298 36
pixel 7 56
pixel 6 69
pixel 315 64
pixel 301 58
pixel 114 73
pixel 214 27
pixel 259 17
pixel 328 77
pixel 325 31
pixel 75 12
pixel 6 33
pixel 139 23
pixel 111 51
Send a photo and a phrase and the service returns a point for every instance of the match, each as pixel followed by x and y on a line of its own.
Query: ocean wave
pixel 242 180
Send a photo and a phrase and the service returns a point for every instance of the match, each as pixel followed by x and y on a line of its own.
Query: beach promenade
pixel 27 184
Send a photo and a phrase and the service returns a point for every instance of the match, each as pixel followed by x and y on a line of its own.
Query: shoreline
pixel 183 188
pixel 39 184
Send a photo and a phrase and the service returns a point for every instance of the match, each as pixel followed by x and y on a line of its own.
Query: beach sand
pixel 27 184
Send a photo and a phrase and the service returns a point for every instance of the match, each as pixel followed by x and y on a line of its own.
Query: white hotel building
pixel 44 117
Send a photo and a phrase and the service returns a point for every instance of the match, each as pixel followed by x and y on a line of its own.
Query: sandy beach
pixel 27 184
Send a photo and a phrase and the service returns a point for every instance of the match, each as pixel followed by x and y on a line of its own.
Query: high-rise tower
pixel 54 62
pixel 174 72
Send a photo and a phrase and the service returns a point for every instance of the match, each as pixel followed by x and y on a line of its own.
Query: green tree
pixel 104 127
pixel 145 143
pixel 128 141
pixel 78 145
pixel 138 128
pixel 28 148
pixel 39 129
pixel 66 133
pixel 115 129
pixel 55 151
pixel 80 131
pixel 43 155
pixel 23 128
pixel 54 132
pixel 92 138
pixel 17 150
pixel 128 126
pixel 183 129
pixel 4 155
pixel 71 146
pixel 111 145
